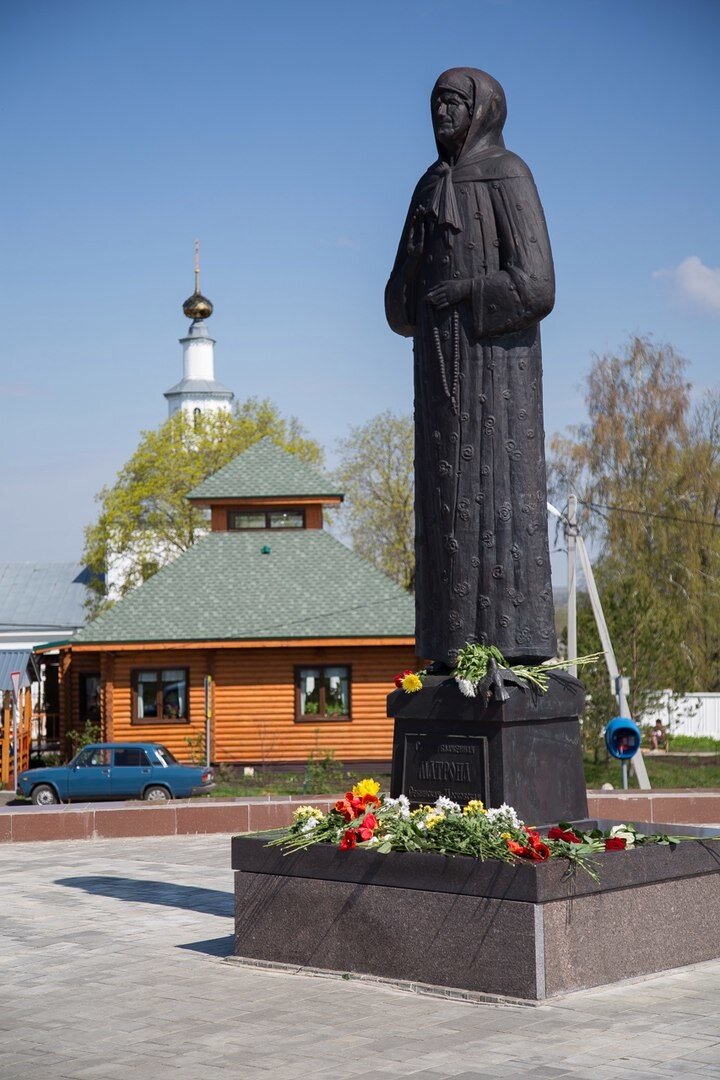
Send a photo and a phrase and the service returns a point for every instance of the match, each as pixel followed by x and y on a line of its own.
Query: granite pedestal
pixel 521 931
pixel 525 751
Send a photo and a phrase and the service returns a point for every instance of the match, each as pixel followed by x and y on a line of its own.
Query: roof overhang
pixel 268 500
pixel 254 643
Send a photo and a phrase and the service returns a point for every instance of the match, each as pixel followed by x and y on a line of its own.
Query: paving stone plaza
pixel 111 965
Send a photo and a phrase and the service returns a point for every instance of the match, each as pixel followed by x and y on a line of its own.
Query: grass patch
pixel 703 743
pixel 299 784
pixel 690 772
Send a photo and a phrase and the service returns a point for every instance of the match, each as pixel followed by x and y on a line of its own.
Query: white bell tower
pixel 198 391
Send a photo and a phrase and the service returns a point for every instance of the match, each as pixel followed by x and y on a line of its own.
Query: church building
pixel 268 639
pixel 198 392
pixel 268 634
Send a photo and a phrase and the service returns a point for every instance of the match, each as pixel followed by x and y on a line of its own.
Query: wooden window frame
pixel 159 719
pixel 321 717
pixel 271 510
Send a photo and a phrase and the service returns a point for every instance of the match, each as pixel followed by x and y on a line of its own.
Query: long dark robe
pixel 483 562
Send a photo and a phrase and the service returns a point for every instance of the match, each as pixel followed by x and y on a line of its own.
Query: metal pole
pixel 638 761
pixel 612 666
pixel 15 684
pixel 208 711
pixel 572 583
pixel 15 742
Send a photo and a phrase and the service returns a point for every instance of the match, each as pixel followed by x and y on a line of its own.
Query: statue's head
pixel 468 106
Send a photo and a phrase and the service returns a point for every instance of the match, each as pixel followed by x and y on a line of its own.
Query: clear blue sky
pixel 288 136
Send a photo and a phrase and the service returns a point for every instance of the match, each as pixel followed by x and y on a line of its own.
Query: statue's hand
pixel 449 292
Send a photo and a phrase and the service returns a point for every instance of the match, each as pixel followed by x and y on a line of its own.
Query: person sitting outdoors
pixel 659 737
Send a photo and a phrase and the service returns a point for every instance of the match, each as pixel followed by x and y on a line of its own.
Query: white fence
pixel 689 714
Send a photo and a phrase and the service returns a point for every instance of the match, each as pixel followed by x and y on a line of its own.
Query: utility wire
pixel 649 513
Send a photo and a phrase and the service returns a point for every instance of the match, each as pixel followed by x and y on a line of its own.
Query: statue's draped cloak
pixel 483 562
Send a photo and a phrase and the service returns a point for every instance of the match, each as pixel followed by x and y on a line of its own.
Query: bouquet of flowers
pixel 474 661
pixel 364 818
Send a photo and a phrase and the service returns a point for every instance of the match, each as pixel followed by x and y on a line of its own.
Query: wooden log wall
pixel 253 701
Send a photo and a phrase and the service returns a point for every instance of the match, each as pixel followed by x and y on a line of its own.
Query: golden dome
pixel 197 306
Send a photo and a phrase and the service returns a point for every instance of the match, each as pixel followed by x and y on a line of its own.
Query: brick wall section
pixel 97 821
pixel 88 821
pixel 665 807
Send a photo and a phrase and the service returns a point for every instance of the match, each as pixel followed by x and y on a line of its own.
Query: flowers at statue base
pixel 474 662
pixel 409 681
pixel 366 819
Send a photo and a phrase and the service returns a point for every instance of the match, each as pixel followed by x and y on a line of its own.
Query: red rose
pixel 564 834
pixel 514 848
pixel 399 678
pixel 349 840
pixel 615 843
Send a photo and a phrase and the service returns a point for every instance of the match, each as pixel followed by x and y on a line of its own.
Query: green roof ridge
pixel 265 470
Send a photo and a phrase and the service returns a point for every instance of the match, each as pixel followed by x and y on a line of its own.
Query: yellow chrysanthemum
pixel 366 787
pixel 303 812
pixel 505 836
pixel 475 806
pixel 434 819
pixel 420 811
pixel 411 684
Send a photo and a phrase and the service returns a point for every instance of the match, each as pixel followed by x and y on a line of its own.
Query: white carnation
pixel 468 688
pixel 309 825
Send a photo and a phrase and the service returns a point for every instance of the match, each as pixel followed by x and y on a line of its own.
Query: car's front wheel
pixel 44 795
pixel 156 794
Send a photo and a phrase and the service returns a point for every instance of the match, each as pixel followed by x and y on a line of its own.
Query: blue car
pixel 116 771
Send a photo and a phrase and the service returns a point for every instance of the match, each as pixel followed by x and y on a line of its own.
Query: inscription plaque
pixel 450 765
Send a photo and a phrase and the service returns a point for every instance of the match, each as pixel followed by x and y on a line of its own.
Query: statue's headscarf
pixel 485 100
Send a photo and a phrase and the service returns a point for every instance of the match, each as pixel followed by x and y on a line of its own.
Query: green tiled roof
pixel 224 588
pixel 264 471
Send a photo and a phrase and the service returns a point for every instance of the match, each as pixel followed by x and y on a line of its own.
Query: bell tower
pixel 198 391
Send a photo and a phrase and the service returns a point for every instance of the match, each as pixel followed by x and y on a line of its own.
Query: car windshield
pixel 165 756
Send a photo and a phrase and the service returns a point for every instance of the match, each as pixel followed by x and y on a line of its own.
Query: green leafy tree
pixel 646 469
pixel 145 519
pixel 376 473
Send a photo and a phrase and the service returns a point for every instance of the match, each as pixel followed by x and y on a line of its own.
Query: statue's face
pixel 451 120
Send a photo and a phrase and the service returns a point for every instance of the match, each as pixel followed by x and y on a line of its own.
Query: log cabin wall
pixel 255 704
pixel 253 700
pixel 173 734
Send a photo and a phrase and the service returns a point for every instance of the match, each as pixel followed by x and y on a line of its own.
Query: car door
pixel 131 772
pixel 90 774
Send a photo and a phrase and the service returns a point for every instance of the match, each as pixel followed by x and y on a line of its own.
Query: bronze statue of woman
pixel 472 279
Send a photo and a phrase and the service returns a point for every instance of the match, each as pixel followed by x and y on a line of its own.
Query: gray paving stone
pixel 111 965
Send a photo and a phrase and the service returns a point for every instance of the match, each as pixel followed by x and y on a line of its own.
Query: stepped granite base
pixel 521 931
